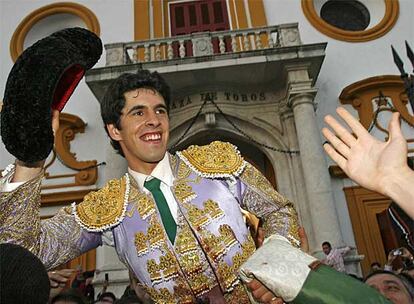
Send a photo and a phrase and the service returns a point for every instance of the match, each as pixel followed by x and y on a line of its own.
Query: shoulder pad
pixel 105 208
pixel 218 159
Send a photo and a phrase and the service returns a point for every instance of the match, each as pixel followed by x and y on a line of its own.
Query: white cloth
pixel 164 173
pixel 279 266
pixel 335 258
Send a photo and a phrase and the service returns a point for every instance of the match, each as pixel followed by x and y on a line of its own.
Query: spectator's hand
pixel 105 284
pixel 391 258
pixel 262 294
pixel 369 162
pixel 406 254
pixel 55 121
pixel 304 242
pixel 58 280
pixel 260 237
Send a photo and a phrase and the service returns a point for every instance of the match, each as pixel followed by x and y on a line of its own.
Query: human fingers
pixel 352 122
pixel 335 156
pixel 276 300
pixel 260 237
pixel 55 121
pixel 394 126
pixel 336 143
pixel 340 131
pixel 253 284
pixel 257 289
pixel 59 276
pixel 304 242
pixel 262 294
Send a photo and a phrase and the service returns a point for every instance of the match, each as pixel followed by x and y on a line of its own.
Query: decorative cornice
pixel 383 27
pixel 70 125
pixel 87 16
pixel 361 93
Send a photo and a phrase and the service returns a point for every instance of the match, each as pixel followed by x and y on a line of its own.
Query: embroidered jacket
pixel 212 185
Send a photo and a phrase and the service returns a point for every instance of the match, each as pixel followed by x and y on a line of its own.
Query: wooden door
pixel 198 16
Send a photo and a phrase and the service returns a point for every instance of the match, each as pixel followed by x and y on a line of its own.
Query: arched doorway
pixel 249 152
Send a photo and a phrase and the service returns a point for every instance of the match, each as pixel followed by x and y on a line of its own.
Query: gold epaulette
pixel 105 208
pixel 218 159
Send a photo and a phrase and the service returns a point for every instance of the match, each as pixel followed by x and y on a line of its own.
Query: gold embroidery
pixel 197 217
pixel 183 171
pixel 165 270
pixel 193 262
pixel 228 237
pixel 217 246
pixel 154 271
pixel 218 159
pixel 156 234
pixel 183 191
pixel 254 178
pixel 200 284
pixel 185 241
pixel 145 206
pixel 168 266
pixel 213 209
pixel 237 296
pixel 228 274
pixel 202 217
pixel 182 294
pixel 142 202
pixel 141 243
pixel 103 208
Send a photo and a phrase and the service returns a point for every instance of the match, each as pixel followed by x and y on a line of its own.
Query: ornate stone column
pixel 300 194
pixel 315 170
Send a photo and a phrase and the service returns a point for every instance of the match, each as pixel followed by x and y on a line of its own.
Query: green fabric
pixel 328 286
pixel 170 226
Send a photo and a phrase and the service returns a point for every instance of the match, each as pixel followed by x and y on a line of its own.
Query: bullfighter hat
pixel 43 78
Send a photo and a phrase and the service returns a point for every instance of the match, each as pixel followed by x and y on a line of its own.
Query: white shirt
pixel 164 173
pixel 335 258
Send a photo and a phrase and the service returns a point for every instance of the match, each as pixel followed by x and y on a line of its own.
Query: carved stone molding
pixel 360 95
pixel 87 172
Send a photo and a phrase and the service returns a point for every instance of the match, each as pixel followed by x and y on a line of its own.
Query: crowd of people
pixel 184 223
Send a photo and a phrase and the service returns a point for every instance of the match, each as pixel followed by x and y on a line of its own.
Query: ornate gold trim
pixel 19 35
pixel 105 208
pixel 385 25
pixel 218 159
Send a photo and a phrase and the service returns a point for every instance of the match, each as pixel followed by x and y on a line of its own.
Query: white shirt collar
pixel 162 171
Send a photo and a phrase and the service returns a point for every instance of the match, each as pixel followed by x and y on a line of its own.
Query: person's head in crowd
pixel 326 247
pixel 395 288
pixel 69 296
pixel 375 266
pixel 23 278
pixel 107 298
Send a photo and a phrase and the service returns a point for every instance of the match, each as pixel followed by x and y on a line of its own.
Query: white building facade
pixel 261 74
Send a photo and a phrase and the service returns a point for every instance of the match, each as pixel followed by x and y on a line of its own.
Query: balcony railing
pixel 203 44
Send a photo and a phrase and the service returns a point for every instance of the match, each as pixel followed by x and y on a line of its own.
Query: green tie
pixel 170 226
